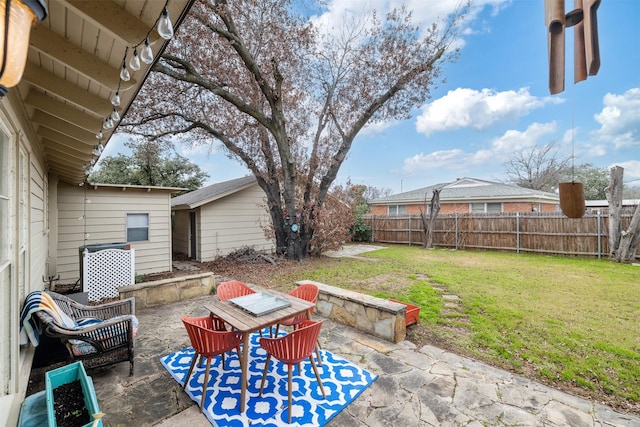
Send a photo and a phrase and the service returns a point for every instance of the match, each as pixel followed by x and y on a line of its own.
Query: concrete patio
pixel 416 386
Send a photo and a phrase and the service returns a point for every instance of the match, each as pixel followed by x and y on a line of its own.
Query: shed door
pixel 192 235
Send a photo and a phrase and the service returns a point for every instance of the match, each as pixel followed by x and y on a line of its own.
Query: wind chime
pixel 586 60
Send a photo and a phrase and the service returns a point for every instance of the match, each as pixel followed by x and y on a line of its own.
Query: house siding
pixel 233 222
pixel 103 219
pixel 23 249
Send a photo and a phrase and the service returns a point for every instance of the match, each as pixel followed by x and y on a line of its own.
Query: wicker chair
pixel 106 342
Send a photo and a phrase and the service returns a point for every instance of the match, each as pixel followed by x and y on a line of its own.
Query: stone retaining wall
pixel 376 316
pixel 158 292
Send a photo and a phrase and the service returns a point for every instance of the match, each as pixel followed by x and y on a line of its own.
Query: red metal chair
pixel 208 343
pixel 232 289
pixel 228 290
pixel 307 292
pixel 292 349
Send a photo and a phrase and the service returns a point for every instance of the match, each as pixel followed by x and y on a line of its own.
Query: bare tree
pixel 286 99
pixel 622 243
pixel 539 168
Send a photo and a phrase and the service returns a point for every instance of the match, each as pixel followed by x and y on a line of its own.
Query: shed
pixel 221 218
pixel 106 213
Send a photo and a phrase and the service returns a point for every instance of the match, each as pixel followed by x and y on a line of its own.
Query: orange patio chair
pixel 228 290
pixel 207 344
pixel 292 349
pixel 307 292
pixel 232 289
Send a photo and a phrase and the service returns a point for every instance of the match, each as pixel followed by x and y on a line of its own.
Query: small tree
pixel 622 243
pixel 594 180
pixel 151 163
pixel 360 231
pixel 539 168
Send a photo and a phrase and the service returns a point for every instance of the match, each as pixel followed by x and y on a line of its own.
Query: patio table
pixel 247 323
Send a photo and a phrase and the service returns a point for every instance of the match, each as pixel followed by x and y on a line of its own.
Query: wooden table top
pixel 247 322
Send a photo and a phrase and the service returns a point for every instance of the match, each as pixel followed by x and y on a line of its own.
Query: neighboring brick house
pixel 468 195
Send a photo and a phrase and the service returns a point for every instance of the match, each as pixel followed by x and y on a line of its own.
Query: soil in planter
pixel 68 403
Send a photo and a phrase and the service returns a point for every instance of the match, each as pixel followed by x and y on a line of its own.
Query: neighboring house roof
pixel 469 190
pixel 212 192
pixel 605 203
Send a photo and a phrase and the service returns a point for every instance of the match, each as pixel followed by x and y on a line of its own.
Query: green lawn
pixel 565 321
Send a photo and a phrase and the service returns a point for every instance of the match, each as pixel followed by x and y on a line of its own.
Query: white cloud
pixel 469 108
pixel 631 170
pixel 620 119
pixel 499 151
pixel 448 159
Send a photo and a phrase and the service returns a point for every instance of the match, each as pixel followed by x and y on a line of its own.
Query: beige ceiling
pixel 73 69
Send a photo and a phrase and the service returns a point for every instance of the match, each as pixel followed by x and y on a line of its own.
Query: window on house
pixel 486 207
pixel 396 210
pixel 137 227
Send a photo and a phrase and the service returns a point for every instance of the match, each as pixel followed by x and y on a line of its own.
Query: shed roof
pixel 125 187
pixel 212 192
pixel 468 190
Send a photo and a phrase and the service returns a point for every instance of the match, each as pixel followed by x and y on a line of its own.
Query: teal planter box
pixel 65 375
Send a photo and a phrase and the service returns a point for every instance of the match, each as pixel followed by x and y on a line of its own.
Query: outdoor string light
pixel 16 19
pixel 165 29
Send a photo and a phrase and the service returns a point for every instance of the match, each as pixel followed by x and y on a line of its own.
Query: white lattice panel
pixel 105 271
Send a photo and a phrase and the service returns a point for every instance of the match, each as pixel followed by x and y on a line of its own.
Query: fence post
pixel 456 231
pixel 410 230
pixel 599 236
pixel 517 232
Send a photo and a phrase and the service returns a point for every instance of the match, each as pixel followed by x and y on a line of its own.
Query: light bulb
pixel 146 54
pixel 124 73
pixel 134 63
pixel 100 147
pixel 99 134
pixel 115 101
pixel 93 162
pixel 95 152
pixel 115 116
pixel 165 29
pixel 108 123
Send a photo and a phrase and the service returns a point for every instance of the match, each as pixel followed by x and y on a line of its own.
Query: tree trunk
pixel 427 224
pixel 622 243
pixel 629 239
pixel 614 197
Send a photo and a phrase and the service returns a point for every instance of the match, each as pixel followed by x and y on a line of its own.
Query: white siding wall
pixel 23 249
pixel 232 222
pixel 103 219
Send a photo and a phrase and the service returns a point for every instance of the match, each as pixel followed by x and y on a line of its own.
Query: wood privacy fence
pixel 533 232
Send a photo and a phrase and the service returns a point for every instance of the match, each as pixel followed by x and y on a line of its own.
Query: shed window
pixel 397 210
pixel 137 227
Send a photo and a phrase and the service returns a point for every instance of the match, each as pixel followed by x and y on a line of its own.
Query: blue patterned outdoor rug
pixel 343 382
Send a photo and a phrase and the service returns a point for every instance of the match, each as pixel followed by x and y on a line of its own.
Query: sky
pixel 495 102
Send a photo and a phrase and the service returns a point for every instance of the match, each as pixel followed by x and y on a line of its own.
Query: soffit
pixel 73 68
